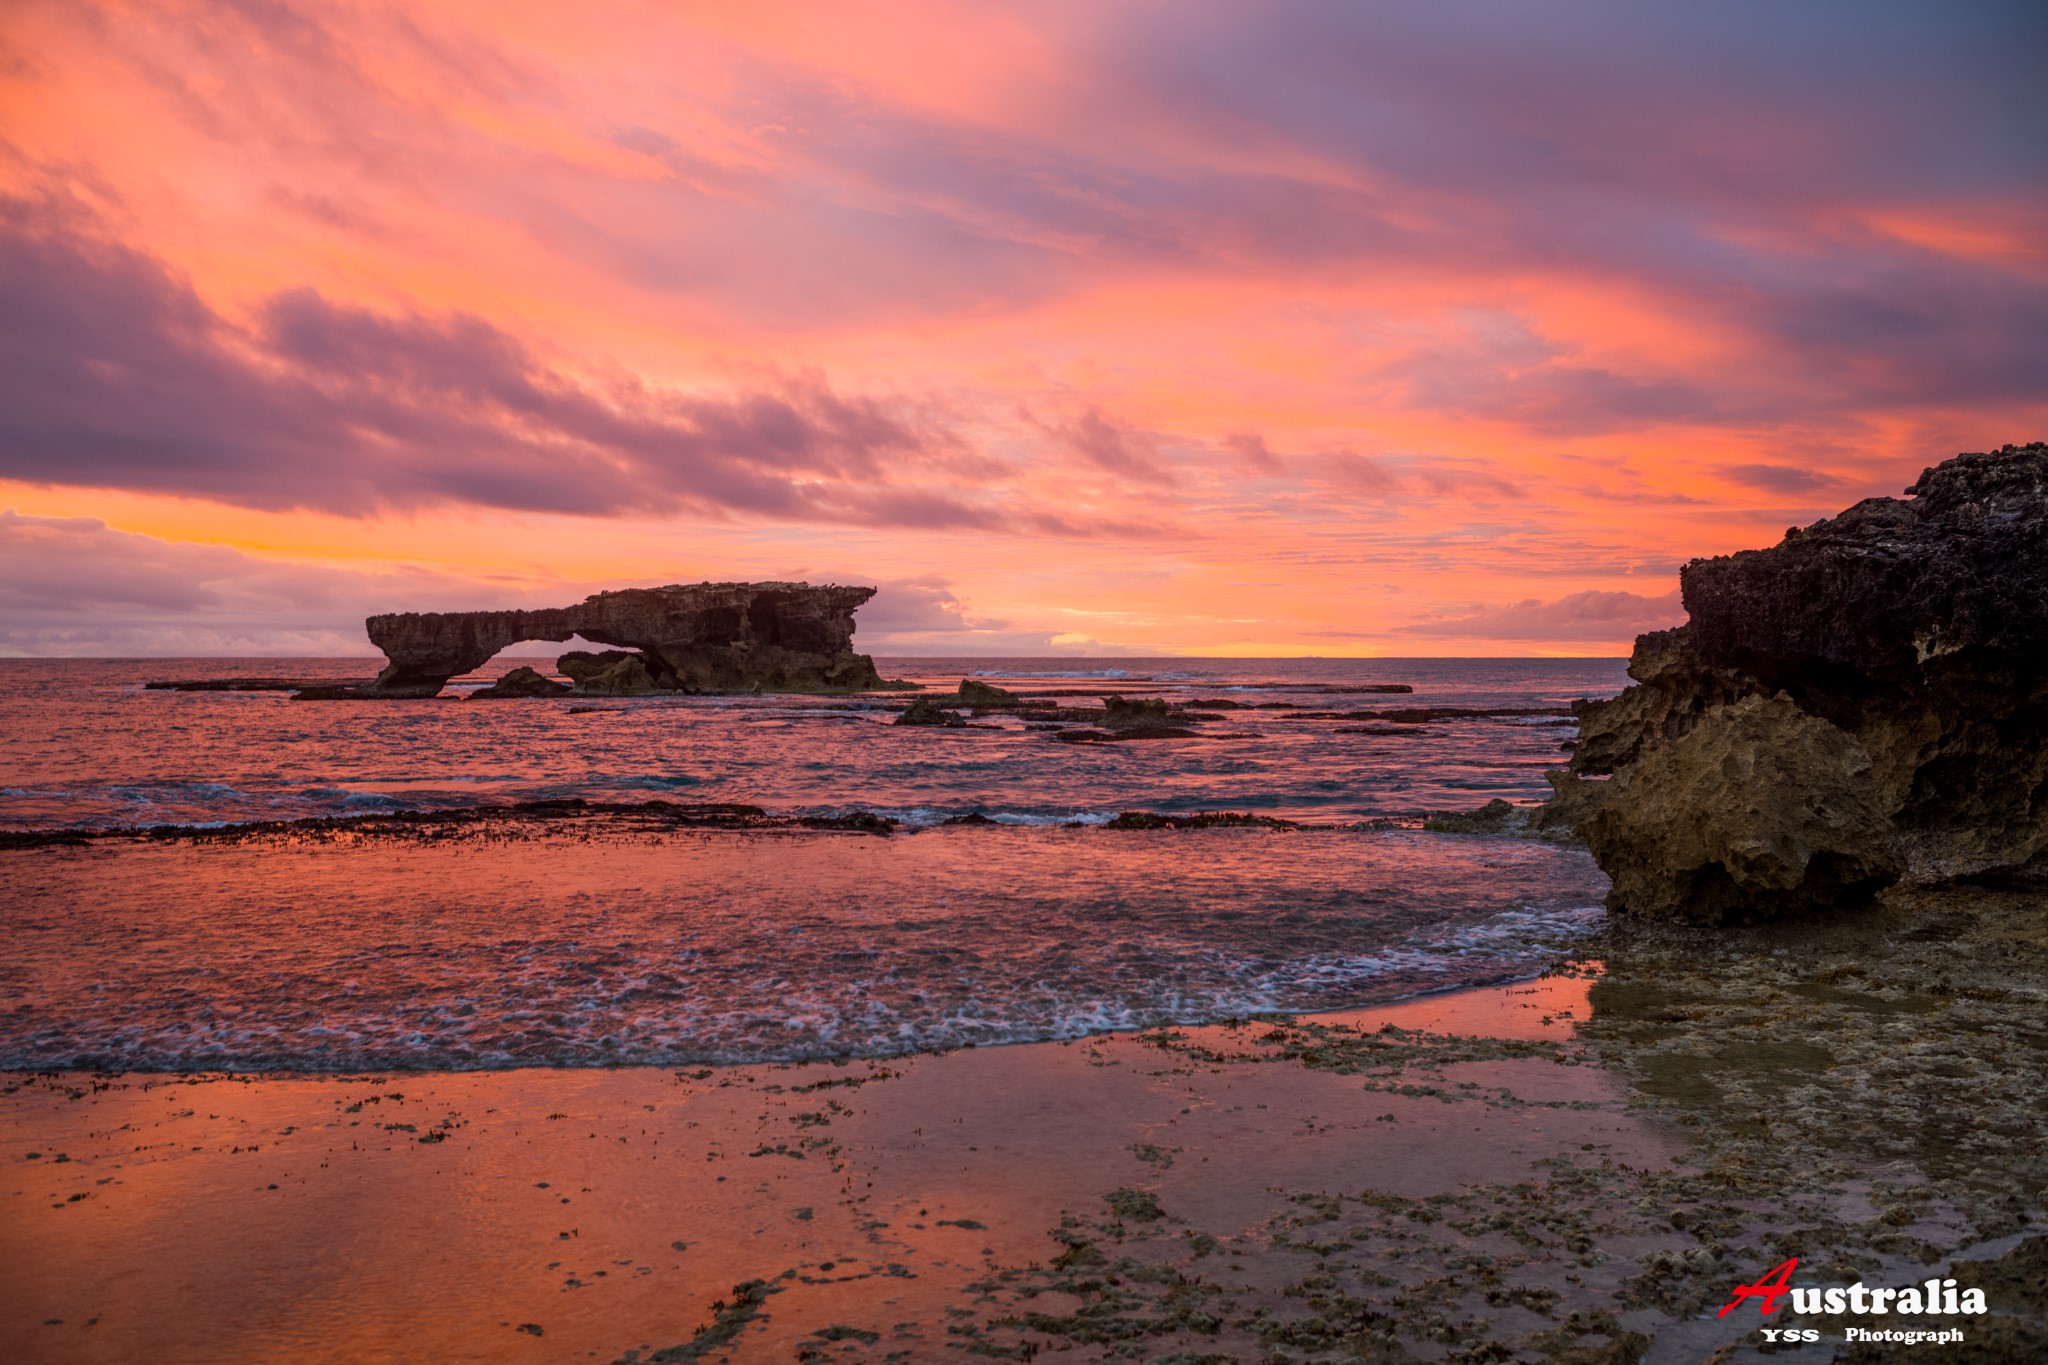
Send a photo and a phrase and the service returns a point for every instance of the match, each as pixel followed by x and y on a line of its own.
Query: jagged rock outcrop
pixel 977 693
pixel 1868 699
pixel 520 682
pixel 923 711
pixel 1120 712
pixel 1495 817
pixel 1758 810
pixel 704 637
pixel 614 673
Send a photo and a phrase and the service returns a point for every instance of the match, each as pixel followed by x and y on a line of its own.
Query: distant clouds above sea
pixel 1144 327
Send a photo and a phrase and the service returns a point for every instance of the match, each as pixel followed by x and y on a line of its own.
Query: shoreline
pixel 1575 1168
pixel 475 951
pixel 777 1164
pixel 1489 1006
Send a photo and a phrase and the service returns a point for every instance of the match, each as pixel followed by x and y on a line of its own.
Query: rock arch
pixel 703 637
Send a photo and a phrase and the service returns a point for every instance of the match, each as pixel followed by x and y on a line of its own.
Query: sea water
pixel 584 942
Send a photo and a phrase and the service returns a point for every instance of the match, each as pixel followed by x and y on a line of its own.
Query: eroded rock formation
pixel 1867 699
pixel 977 693
pixel 520 682
pixel 704 637
pixel 924 711
pixel 1121 713
pixel 614 673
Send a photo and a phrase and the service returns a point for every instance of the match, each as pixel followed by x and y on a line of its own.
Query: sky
pixel 1078 328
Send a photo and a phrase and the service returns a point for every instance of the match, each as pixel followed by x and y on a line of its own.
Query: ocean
pixel 590 938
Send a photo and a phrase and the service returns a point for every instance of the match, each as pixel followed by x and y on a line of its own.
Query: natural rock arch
pixel 703 637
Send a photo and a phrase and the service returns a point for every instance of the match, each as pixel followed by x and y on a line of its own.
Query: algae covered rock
pixel 1758 812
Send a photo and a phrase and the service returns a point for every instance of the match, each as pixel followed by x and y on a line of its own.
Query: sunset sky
pixel 1336 328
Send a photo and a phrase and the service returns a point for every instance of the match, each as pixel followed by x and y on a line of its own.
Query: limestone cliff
pixel 704 637
pixel 1913 633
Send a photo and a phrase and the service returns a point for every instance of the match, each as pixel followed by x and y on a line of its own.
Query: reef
pixel 1126 730
pixel 1865 702
pixel 1204 819
pixel 495 823
pixel 243 684
pixel 520 682
pixel 976 693
pixel 704 637
pixel 1495 817
pixel 1121 713
pixel 924 711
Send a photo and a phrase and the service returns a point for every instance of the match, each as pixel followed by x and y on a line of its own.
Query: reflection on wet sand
pixel 445 1216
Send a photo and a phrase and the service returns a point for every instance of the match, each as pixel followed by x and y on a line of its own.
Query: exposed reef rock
pixel 705 637
pixel 923 711
pixel 1495 817
pixel 1119 712
pixel 521 682
pixel 242 684
pixel 982 694
pixel 1864 701
pixel 1206 819
pixel 614 673
pixel 540 818
pixel 1127 732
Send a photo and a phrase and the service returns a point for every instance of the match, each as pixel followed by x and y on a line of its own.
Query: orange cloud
pixel 1181 327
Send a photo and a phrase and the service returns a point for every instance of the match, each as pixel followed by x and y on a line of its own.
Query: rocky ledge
pixel 1865 702
pixel 704 637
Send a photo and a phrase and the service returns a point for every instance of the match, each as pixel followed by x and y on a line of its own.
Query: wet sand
pixel 1576 1169
pixel 447 1216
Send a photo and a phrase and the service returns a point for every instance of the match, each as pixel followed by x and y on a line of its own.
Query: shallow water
pixel 725 947
pixel 83 744
pixel 582 942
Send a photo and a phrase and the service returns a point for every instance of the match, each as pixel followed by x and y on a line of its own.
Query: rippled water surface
pixel 583 942
pixel 723 947
pixel 84 745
